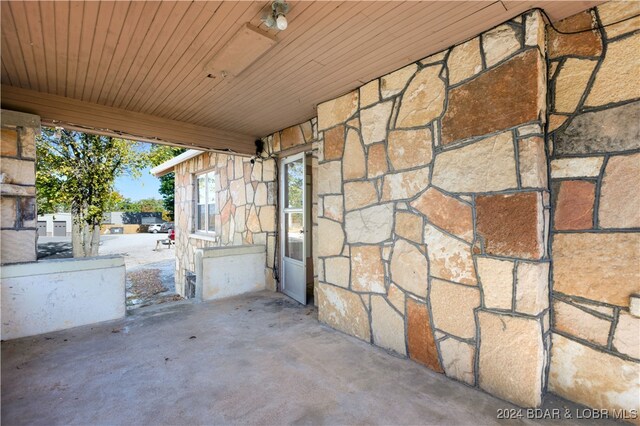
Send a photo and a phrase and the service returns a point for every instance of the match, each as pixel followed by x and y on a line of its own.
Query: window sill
pixel 205 237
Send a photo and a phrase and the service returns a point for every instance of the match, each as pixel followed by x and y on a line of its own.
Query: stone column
pixel 594 144
pixel 17 187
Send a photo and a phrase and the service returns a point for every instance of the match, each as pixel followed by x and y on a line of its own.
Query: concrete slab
pixel 255 359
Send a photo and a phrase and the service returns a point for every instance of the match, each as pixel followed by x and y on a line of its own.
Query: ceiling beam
pixel 94 118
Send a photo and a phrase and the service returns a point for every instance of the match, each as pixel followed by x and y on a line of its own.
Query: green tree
pixel 79 170
pixel 150 205
pixel 118 203
pixel 158 155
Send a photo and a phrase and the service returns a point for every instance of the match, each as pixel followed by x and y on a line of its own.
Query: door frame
pixel 282 217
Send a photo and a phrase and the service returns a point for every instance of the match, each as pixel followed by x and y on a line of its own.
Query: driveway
pixel 137 249
pixel 255 359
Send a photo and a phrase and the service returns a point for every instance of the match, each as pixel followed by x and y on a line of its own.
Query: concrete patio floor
pixel 256 359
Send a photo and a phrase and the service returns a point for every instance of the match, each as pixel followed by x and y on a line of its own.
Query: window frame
pixel 196 202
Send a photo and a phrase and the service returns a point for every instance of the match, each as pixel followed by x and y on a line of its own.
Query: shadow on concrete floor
pixel 255 359
pixel 55 250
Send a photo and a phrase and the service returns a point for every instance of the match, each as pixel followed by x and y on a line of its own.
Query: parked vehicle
pixel 166 227
pixel 155 228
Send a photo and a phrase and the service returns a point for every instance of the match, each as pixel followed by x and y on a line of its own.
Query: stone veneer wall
pixel 434 212
pixel 594 140
pixel 17 187
pixel 246 205
pixel 247 200
pixel 433 235
pixel 303 136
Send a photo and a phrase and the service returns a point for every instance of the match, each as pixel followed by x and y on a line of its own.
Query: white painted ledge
pixel 211 252
pixel 58 266
pixel 205 237
pixel 229 271
pixel 46 296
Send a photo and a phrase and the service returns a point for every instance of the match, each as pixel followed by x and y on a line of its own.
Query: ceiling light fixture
pixel 277 18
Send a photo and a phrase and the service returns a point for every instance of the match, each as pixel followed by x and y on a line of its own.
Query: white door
pixel 293 214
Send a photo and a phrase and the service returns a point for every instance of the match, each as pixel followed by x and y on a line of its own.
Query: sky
pixel 146 186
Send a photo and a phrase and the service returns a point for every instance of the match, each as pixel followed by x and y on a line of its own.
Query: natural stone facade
pixel 476 211
pixel 448 192
pixel 595 175
pixel 247 202
pixel 17 187
pixel 433 181
pixel 511 353
pixel 246 208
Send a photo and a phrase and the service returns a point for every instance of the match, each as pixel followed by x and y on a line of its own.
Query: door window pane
pixel 294 231
pixel 294 174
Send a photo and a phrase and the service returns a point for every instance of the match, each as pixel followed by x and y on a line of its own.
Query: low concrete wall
pixel 54 295
pixel 228 271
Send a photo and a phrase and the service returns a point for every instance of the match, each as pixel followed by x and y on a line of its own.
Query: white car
pixel 155 228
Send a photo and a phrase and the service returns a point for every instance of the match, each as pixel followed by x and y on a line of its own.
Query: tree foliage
pixel 148 205
pixel 118 203
pixel 295 175
pixel 158 155
pixel 78 170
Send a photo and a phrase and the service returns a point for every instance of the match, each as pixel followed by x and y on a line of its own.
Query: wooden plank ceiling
pixel 139 67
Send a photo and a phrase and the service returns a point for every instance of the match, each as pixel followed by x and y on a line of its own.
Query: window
pixel 206 202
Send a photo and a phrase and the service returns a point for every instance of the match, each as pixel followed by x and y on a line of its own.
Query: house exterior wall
pixel 17 187
pixel 434 211
pixel 594 144
pixel 246 200
pixel 479 213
